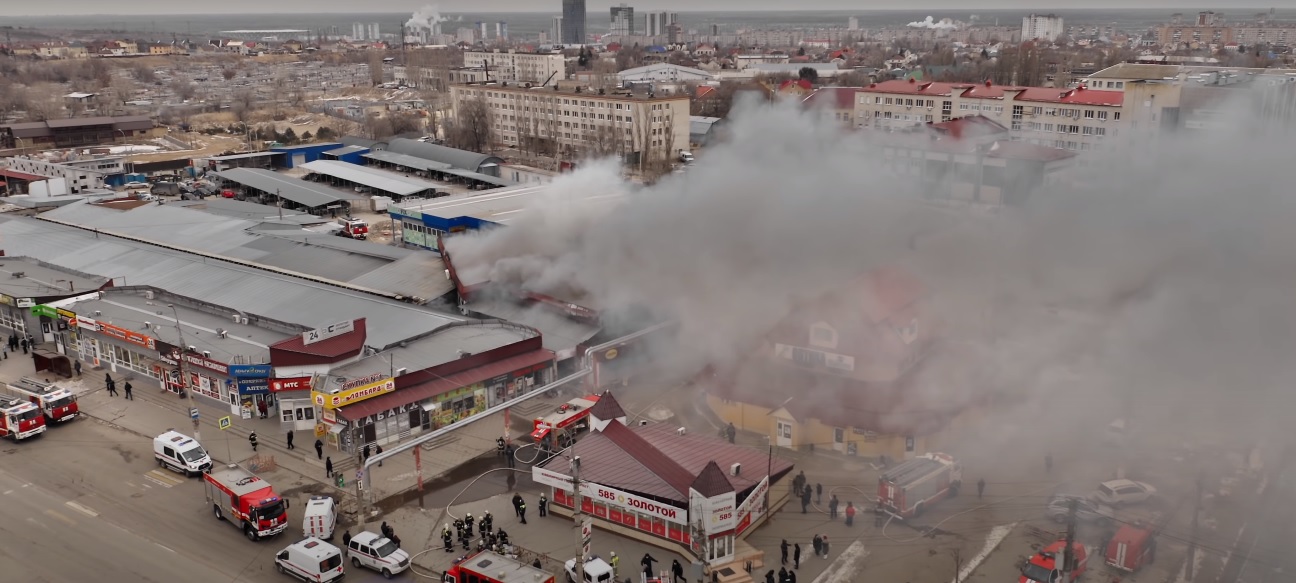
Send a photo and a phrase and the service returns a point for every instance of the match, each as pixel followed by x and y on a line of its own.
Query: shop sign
pixel 250 371
pixel 612 496
pixel 354 395
pixel 362 381
pixel 719 514
pixel 290 384
pixel 253 386
pixel 67 315
pixel 123 334
pixel 168 353
pixel 207 363
pixel 332 330
pixel 6 300
pixel 24 302
pixel 753 506
pixel 44 310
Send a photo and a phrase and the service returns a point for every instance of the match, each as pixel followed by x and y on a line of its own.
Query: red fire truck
pixel 20 419
pixel 353 228
pixel 57 403
pixel 246 501
pixel 914 485
pixel 1046 565
pixel 488 567
pixel 569 420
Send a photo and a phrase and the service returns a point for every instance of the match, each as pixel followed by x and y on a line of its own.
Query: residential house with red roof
pixel 838 102
pixel 838 373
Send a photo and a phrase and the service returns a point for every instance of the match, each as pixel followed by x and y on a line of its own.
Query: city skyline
pixel 142 7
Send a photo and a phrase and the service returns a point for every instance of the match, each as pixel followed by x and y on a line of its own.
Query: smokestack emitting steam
pixel 426 18
pixel 1158 290
pixel 930 22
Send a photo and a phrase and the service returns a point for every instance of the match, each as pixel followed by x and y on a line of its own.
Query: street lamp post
pixel 180 369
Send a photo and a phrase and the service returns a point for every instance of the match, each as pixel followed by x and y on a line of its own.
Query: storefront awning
pixel 444 385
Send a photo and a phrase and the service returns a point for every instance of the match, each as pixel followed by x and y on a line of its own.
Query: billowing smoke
pixel 1158 288
pixel 930 22
pixel 427 18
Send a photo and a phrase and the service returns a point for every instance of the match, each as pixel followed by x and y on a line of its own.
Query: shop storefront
pixel 13 313
pixel 115 348
pixel 208 379
pixel 505 387
pixel 252 383
pixel 295 406
pixel 344 433
pixel 56 324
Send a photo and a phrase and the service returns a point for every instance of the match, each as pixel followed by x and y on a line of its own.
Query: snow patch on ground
pixel 846 567
pixel 136 149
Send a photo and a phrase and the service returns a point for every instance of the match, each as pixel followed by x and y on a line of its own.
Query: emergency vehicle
pixel 353 228
pixel 245 501
pixel 57 403
pixel 20 419
pixel 1046 565
pixel 1131 548
pixel 570 419
pixel 912 486
pixel 489 567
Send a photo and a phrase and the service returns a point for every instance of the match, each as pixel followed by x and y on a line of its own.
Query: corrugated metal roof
pixel 420 275
pixel 243 156
pixel 249 211
pixel 406 160
pixel 557 332
pixel 454 157
pixel 299 191
pixel 376 179
pixel 281 297
pixel 344 150
pixel 443 385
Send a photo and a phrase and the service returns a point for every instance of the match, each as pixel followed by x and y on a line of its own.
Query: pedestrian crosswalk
pixel 164 478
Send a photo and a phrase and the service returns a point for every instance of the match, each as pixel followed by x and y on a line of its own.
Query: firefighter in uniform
pixel 487 522
pixel 499 446
pixel 468 525
pixel 445 538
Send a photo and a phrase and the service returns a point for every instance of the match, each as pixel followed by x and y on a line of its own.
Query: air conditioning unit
pixel 193 349
pixel 402 370
pixel 735 469
pixel 222 333
pixel 148 294
pixel 98 313
pixel 236 318
pixel 681 431
pixel 206 354
pixel 643 422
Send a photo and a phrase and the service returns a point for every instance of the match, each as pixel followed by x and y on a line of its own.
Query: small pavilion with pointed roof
pixel 695 494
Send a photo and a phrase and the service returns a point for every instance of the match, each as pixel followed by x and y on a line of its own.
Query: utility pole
pixel 577 514
pixel 184 349
pixel 1068 554
pixel 360 468
pixel 1192 543
pixel 958 564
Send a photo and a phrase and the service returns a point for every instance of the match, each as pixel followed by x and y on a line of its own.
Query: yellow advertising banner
pixel 354 395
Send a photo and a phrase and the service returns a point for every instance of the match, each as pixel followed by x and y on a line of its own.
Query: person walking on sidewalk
pixel 980 488
pixel 677 570
pixel 111 385
pixel 796 556
pixel 23 343
pixel 262 408
pixel 328 467
pixel 832 507
pixel 783 548
pixel 290 438
pixel 319 449
pixel 543 505
pixel 127 387
pixel 252 439
pixel 379 450
pixel 76 365
pixel 366 452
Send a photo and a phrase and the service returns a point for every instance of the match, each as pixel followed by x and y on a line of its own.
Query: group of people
pixel 820 546
pixel 491 538
pixel 111 386
pixel 520 507
pixel 16 341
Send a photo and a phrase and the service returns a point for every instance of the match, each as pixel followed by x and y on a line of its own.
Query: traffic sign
pixel 193 413
pixel 224 423
pixel 359 475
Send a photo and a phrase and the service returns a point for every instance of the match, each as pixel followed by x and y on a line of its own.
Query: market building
pixel 388 394
pixel 219 353
pixel 696 495
pixel 844 374
pixel 27 282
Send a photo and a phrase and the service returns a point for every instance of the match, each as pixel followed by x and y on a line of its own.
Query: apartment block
pixel 575 123
pixel 518 67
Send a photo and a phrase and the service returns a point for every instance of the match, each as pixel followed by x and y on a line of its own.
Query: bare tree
pixel 471 128
pixel 243 104
pixel 376 67
pixel 183 89
pixel 143 73
pixel 228 73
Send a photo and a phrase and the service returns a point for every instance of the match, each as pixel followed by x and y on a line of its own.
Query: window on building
pixel 1102 115
pixel 1115 116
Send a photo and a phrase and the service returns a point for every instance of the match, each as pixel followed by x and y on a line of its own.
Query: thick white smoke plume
pixel 930 22
pixel 426 18
pixel 1159 283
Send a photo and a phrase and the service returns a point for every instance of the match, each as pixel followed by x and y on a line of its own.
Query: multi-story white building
pixel 657 22
pixel 518 67
pixel 1073 119
pixel 1042 27
pixel 573 123
pixel 365 31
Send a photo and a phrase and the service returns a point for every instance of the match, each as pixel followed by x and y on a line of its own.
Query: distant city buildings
pixel 852 23
pixel 518 67
pixel 573 22
pixel 1042 27
pixel 623 20
pixel 658 22
pixel 365 31
pixel 556 29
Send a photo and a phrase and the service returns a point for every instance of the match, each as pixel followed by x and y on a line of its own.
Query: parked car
pixel 377 552
pixel 1118 493
pixel 135 184
pixel 1086 510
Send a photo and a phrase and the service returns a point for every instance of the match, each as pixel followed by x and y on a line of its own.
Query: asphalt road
pixel 1262 552
pixel 87 502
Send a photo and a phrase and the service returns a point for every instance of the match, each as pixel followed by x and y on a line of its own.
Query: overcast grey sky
pixel 82 7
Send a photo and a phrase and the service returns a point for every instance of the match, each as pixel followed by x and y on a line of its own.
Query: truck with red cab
pixel 56 403
pixel 489 567
pixel 353 228
pixel 1131 548
pixel 912 486
pixel 20 419
pixel 246 501
pixel 569 420
pixel 1046 565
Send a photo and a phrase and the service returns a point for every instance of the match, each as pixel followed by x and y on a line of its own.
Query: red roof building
pixel 836 101
pixel 660 484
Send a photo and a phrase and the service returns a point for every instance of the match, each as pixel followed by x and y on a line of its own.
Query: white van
pixel 375 551
pixel 181 453
pixel 311 560
pixel 320 518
